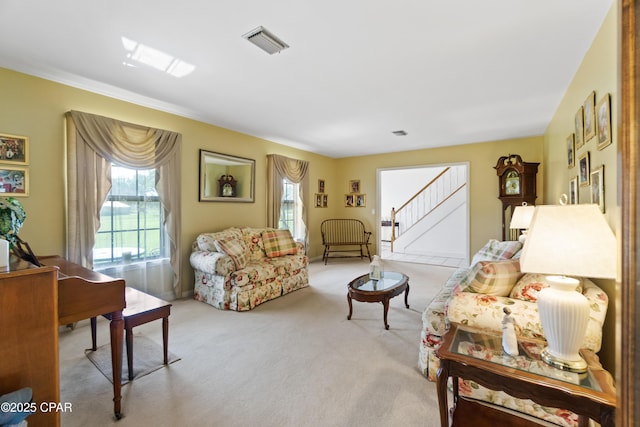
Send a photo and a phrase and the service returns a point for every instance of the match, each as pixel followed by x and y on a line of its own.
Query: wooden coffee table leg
pixel 350 307
pixel 406 296
pixel 385 302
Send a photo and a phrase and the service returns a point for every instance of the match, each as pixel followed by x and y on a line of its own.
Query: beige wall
pixel 598 72
pixel 484 205
pixel 35 108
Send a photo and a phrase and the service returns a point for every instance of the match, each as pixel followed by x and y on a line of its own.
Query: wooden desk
pixel 83 294
pixel 591 395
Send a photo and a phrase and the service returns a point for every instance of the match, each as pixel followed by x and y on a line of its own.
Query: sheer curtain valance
pixel 93 143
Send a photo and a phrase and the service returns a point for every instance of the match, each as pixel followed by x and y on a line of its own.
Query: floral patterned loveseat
pixel 475 296
pixel 240 268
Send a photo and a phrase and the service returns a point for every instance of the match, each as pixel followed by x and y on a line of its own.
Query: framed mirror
pixel 225 178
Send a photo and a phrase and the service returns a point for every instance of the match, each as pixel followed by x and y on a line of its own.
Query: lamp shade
pixel 571 240
pixel 521 218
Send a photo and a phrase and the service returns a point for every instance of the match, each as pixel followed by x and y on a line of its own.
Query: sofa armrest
pixel 212 262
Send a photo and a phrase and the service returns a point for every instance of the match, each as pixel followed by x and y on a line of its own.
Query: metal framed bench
pixel 344 232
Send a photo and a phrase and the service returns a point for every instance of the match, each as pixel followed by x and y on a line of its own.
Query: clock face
pixel 512 183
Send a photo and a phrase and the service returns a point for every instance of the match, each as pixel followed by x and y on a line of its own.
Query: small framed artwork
pixel 571 151
pixel 597 187
pixel 14 181
pixel 361 201
pixel 589 116
pixel 321 200
pixel 573 191
pixel 579 128
pixel 349 200
pixel 583 177
pixel 603 121
pixel 354 186
pixel 14 149
pixel 321 186
pixel 325 200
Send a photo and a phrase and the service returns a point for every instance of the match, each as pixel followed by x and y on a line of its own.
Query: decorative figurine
pixel 509 339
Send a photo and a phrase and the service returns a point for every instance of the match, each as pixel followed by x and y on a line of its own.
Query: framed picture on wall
pixel 583 177
pixel 361 201
pixel 571 151
pixel 354 186
pixel 573 191
pixel 597 187
pixel 579 128
pixel 325 200
pixel 14 181
pixel 589 117
pixel 349 200
pixel 603 121
pixel 321 186
pixel 14 149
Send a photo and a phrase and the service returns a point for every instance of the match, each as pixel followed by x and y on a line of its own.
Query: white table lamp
pixel 570 240
pixel 521 220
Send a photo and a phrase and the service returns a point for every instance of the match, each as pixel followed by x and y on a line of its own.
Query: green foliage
pixel 12 216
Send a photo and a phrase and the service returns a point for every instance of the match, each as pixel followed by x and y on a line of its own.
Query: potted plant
pixel 12 216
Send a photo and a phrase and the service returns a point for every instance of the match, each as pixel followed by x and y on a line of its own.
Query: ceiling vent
pixel 265 40
pixel 399 133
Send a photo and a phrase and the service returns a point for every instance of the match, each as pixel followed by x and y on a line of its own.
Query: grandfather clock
pixel 517 185
pixel 227 186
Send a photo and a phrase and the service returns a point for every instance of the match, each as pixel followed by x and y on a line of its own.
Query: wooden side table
pixel 478 356
pixel 141 308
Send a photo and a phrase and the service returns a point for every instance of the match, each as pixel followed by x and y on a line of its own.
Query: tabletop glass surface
pixel 389 280
pixel 489 348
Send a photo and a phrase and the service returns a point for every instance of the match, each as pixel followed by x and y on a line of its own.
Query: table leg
pixel 385 303
pixel 94 324
pixel 441 387
pixel 129 335
pixel 406 297
pixel 165 338
pixel 350 307
pixel 116 331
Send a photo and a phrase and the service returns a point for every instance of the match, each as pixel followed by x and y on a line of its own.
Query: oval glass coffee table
pixel 367 290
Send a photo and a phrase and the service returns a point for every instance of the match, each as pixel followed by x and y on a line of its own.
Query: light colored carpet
pixel 148 356
pixel 294 361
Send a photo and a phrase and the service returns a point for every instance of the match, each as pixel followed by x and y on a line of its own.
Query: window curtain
pixel 278 168
pixel 93 143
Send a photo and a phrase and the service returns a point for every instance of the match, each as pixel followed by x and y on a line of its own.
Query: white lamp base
pixel 564 314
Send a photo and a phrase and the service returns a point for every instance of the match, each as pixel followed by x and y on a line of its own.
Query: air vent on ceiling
pixel 265 40
pixel 399 133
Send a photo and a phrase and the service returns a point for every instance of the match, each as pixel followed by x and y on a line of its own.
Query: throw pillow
pixel 278 243
pixel 496 278
pixel 236 249
pixel 530 284
pixel 496 250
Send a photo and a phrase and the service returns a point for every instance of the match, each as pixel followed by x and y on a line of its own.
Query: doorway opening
pixel 423 214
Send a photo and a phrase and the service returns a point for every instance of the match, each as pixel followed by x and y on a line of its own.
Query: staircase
pixel 426 209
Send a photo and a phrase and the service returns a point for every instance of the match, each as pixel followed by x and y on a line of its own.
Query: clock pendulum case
pixel 516 185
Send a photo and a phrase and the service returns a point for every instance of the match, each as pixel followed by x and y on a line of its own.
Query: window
pixel 291 210
pixel 131 220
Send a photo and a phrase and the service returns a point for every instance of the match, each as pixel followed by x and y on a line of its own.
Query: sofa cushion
pixel 530 284
pixel 253 239
pixel 278 243
pixel 235 248
pixel 206 241
pixel 496 250
pixel 495 277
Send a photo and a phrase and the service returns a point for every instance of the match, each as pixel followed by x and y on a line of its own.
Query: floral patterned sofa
pixel 240 268
pixel 475 296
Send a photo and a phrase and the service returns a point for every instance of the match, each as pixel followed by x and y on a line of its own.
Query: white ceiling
pixel 446 72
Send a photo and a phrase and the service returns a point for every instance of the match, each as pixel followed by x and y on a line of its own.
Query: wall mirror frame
pixel 226 178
